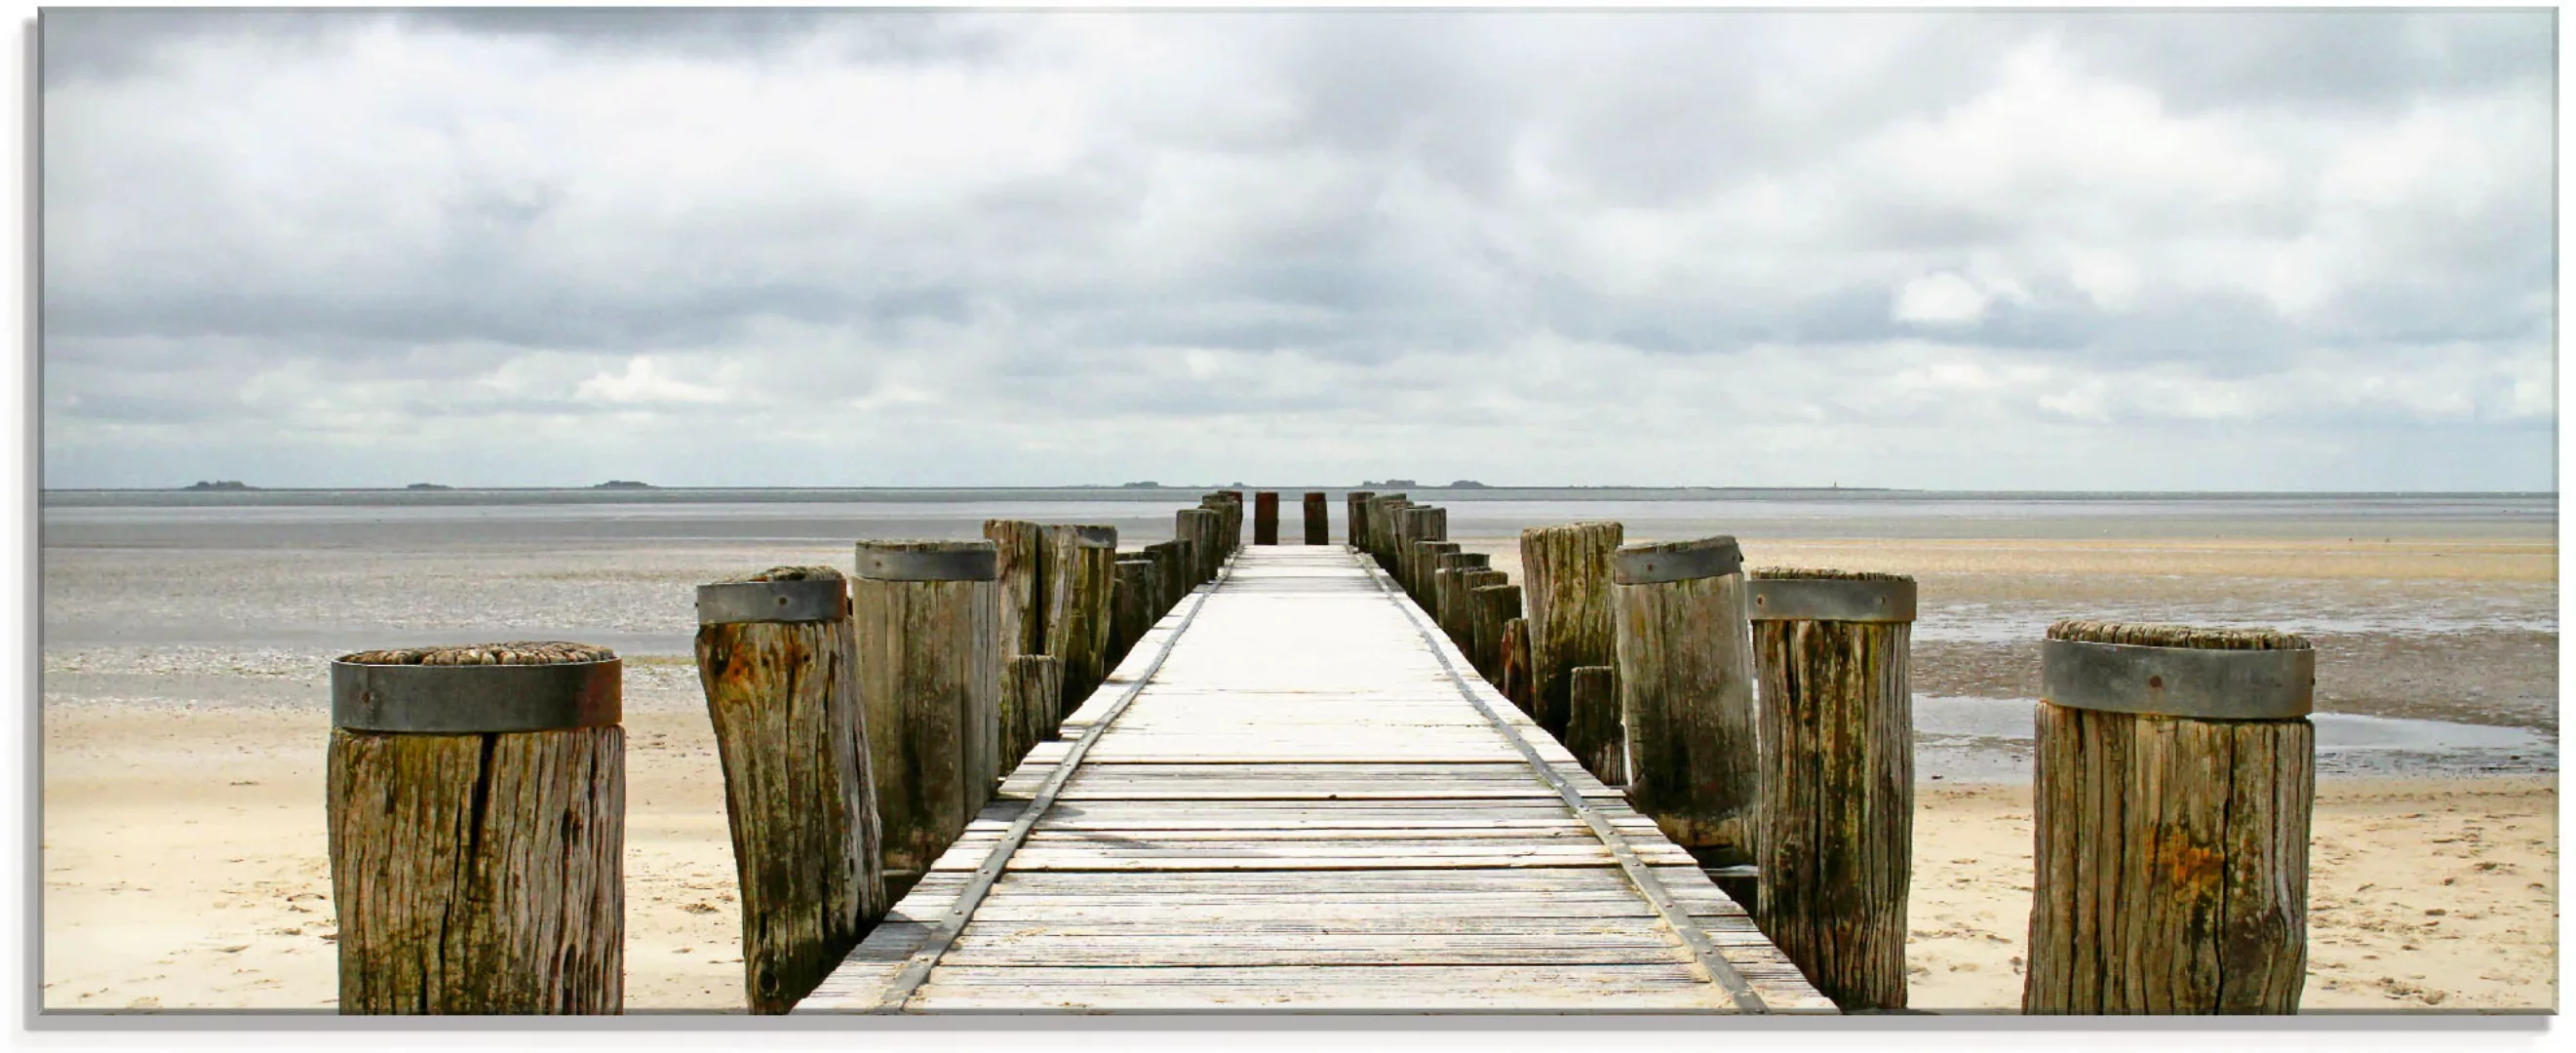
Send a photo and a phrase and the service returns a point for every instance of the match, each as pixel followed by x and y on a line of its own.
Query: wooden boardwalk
pixel 1294 795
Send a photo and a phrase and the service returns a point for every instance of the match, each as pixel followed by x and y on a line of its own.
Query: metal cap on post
pixel 381 691
pixel 1647 564
pixel 929 561
pixel 2268 684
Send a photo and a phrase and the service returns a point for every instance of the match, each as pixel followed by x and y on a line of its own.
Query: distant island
pixel 623 484
pixel 429 486
pixel 221 484
pixel 1466 484
pixel 1140 486
pixel 1390 482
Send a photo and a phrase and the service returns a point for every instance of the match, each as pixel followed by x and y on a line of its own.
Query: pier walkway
pixel 1294 795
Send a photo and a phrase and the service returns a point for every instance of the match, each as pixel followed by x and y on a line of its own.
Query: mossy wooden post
pixel 1199 526
pixel 924 611
pixel 1837 776
pixel 1514 659
pixel 779 663
pixel 1032 686
pixel 1319 529
pixel 1595 689
pixel 1265 517
pixel 1565 572
pixel 477 813
pixel 1448 600
pixel 1491 603
pixel 1355 506
pixel 1685 660
pixel 2176 774
pixel 1131 607
pixel 1021 614
pixel 1081 566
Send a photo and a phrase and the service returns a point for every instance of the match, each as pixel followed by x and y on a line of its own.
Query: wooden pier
pixel 1295 794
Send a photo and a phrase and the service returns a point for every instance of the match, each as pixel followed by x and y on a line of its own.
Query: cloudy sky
pixel 2231 250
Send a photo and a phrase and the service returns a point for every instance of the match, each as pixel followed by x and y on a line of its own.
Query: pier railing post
pixel 1491 602
pixel 1685 661
pixel 1032 689
pixel 1020 617
pixel 1515 660
pixel 1565 572
pixel 1355 509
pixel 778 659
pixel 1265 517
pixel 477 814
pixel 1171 574
pixel 2176 777
pixel 1448 600
pixel 1131 606
pixel 1426 558
pixel 931 688
pixel 1081 561
pixel 1837 776
pixel 1319 530
pixel 1421 523
pixel 1603 749
pixel 1199 526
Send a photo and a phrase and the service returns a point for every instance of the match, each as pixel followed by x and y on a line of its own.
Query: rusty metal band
pixel 1708 557
pixel 1678 921
pixel 807 600
pixel 980 563
pixel 2178 681
pixel 907 983
pixel 1830 599
pixel 476 699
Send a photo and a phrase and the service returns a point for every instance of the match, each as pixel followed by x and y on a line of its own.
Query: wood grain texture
pixel 1448 604
pixel 1355 505
pixel 1685 660
pixel 1171 574
pixel 1200 527
pixel 1515 661
pixel 1079 579
pixel 1132 594
pixel 1594 735
pixel 477 874
pixel 1032 685
pixel 1020 615
pixel 2172 860
pixel 784 700
pixel 1491 601
pixel 1426 556
pixel 1565 581
pixel 932 691
pixel 1838 803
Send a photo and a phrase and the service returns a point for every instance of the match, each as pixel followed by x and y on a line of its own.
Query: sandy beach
pixel 186 867
pixel 185 714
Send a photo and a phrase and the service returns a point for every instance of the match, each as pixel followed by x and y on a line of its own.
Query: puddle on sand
pixel 1989 740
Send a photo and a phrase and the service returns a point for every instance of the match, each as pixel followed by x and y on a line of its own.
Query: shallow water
pixel 1989 740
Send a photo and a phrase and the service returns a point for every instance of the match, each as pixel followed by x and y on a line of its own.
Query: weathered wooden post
pixel 1685 660
pixel 924 611
pixel 1228 505
pixel 1491 602
pixel 1566 572
pixel 1604 752
pixel 1199 527
pixel 1081 563
pixel 1355 505
pixel 2176 775
pixel 1131 608
pixel 1515 661
pixel 477 810
pixel 1426 557
pixel 1021 614
pixel 1319 530
pixel 1265 517
pixel 1032 688
pixel 1418 523
pixel 1171 573
pixel 1837 731
pixel 1384 509
pixel 1448 600
pixel 778 660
